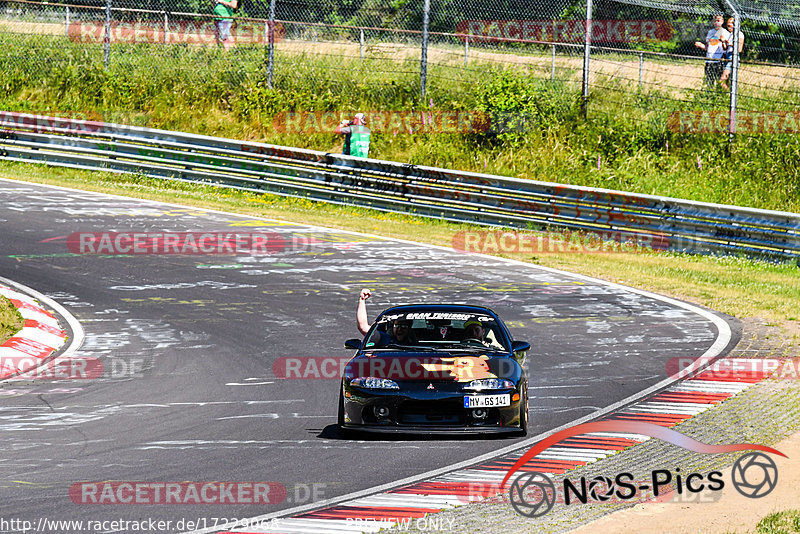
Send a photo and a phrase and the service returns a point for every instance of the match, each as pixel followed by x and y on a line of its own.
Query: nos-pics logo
pixel 533 494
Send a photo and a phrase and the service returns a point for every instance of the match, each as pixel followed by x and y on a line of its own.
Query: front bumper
pixel 433 430
pixel 427 412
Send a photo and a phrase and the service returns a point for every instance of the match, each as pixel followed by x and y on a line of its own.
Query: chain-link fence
pixel 640 57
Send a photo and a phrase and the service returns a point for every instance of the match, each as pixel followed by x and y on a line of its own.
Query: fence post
pixel 466 49
pixel 361 42
pixel 423 74
pixel 271 45
pixel 641 68
pixel 166 26
pixel 67 22
pixel 737 22
pixel 553 70
pixel 107 36
pixel 586 55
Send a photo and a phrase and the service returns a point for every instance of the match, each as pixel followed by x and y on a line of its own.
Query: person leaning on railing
pixel 356 136
pixel 223 9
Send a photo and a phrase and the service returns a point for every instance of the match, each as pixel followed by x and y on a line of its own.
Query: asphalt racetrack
pixel 190 346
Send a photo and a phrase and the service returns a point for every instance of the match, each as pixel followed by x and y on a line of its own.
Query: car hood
pixel 440 365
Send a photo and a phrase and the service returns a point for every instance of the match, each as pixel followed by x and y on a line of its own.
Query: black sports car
pixel 445 368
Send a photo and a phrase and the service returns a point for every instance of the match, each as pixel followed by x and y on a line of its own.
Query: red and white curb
pixel 40 336
pixel 412 503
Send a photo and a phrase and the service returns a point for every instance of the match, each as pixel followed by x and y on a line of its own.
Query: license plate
pixel 487 401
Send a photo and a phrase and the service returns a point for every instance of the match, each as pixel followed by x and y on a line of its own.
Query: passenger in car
pixel 361 312
pixel 399 333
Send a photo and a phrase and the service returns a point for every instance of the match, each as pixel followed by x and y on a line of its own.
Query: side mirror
pixel 354 344
pixel 520 346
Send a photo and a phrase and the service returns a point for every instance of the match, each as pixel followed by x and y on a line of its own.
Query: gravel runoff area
pixel 765 414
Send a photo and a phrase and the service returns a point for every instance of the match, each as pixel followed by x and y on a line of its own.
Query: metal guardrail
pixel 650 221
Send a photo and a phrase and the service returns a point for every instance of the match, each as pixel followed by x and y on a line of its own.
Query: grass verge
pixel 784 522
pixel 10 320
pixel 737 286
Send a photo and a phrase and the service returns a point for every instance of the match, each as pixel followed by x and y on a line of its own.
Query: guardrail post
pixel 586 56
pixel 423 75
pixel 361 43
pixel 107 37
pixel 271 45
pixel 737 25
pixel 737 22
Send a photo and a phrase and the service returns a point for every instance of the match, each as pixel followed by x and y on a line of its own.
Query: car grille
pixel 427 413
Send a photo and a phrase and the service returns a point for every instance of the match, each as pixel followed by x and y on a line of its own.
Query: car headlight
pixel 370 382
pixel 489 383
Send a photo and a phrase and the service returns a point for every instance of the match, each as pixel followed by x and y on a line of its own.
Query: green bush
pixel 518 106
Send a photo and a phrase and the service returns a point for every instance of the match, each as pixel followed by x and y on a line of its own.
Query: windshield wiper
pixel 478 349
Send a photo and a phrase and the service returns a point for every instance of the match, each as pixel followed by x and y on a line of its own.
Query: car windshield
pixel 437 330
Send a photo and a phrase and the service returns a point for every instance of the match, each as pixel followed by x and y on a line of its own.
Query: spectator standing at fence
pixel 714 50
pixel 727 55
pixel 356 136
pixel 223 9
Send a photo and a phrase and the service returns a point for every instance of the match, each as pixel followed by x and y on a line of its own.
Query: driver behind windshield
pixel 474 330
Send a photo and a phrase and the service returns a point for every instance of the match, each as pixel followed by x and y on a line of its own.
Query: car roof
pixel 455 308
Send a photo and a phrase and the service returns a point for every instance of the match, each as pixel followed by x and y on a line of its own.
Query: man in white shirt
pixel 714 50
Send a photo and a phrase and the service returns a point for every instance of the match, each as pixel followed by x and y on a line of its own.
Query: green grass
pixel 784 522
pixel 736 286
pixel 10 320
pixel 624 145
